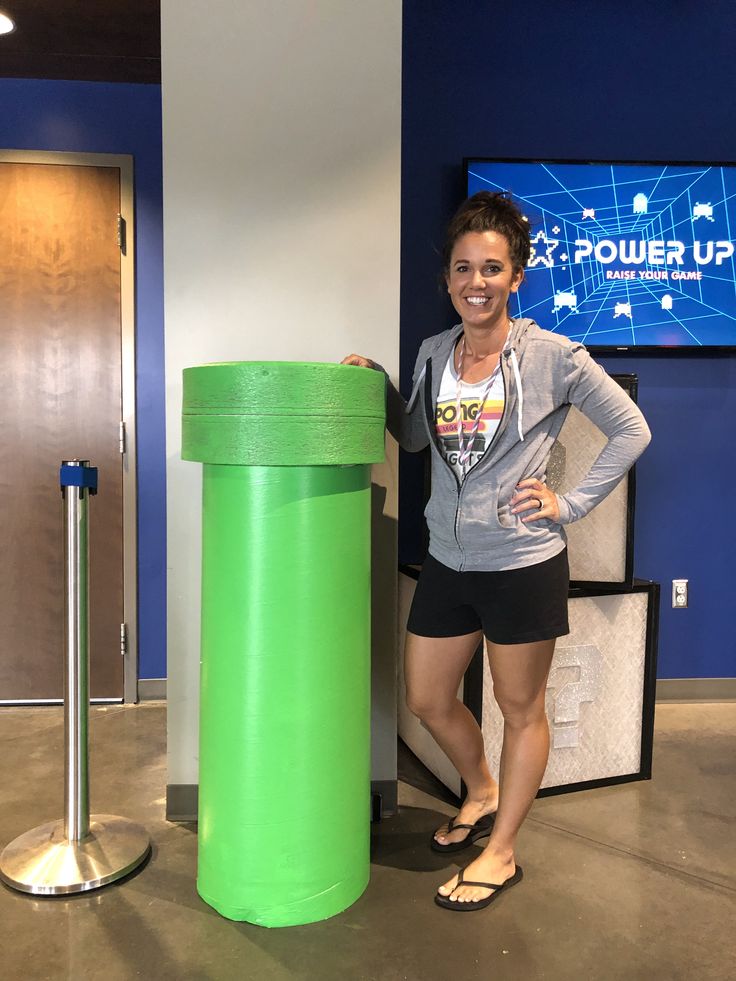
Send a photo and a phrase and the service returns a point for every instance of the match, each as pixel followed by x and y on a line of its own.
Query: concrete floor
pixel 630 882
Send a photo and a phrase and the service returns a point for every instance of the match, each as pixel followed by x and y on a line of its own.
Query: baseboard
pixel 696 690
pixel 151 689
pixel 387 793
pixel 182 800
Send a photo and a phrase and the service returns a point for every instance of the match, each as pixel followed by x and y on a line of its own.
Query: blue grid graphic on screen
pixel 625 254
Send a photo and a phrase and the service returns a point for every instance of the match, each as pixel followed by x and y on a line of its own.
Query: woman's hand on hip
pixel 359 361
pixel 534 496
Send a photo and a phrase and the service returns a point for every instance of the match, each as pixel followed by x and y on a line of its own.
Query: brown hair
pixel 489 211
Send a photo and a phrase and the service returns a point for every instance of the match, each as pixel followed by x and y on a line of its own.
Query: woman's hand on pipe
pixel 359 361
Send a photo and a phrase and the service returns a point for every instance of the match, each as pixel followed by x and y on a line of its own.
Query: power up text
pixel 656 252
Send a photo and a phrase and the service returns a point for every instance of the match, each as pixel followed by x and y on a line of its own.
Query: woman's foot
pixel 469 813
pixel 491 866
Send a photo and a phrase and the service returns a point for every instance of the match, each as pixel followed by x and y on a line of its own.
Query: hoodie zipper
pixel 496 435
pixel 429 413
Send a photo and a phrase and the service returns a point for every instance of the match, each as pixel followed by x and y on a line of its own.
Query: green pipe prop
pixel 284 786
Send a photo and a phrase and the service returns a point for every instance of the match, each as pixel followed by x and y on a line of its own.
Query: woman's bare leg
pixel 433 669
pixel 519 681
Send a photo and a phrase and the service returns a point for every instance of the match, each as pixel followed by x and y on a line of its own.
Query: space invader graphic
pixel 640 204
pixel 666 302
pixel 703 211
pixel 569 300
pixel 588 213
pixel 622 310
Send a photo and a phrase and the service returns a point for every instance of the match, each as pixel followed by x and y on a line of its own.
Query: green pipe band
pixel 284 792
pixel 283 414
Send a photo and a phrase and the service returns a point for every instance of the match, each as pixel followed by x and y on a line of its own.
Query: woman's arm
pixel 403 420
pixel 607 405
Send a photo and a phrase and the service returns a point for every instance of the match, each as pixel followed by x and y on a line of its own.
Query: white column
pixel 281 233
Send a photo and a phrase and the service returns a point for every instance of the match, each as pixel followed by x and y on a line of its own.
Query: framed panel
pixel 600 545
pixel 600 694
pixel 600 697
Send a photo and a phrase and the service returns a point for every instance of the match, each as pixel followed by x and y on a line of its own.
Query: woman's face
pixel 481 277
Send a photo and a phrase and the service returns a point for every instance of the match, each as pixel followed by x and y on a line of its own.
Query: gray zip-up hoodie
pixel 471 526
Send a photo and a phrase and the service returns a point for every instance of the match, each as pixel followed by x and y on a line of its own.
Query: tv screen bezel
pixel 686 349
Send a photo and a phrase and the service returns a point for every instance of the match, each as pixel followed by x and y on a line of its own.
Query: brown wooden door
pixel 60 398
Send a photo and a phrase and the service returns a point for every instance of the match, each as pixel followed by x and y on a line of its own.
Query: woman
pixel 489 397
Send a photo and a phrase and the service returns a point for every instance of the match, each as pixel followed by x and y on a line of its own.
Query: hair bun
pixel 490 211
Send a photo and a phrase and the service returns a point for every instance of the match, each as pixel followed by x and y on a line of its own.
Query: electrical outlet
pixel 679 594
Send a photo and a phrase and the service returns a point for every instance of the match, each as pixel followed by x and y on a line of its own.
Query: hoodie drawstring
pixel 519 394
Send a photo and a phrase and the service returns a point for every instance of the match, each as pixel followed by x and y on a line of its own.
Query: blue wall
pixel 95 117
pixel 596 80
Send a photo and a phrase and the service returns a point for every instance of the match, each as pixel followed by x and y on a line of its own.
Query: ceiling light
pixel 7 24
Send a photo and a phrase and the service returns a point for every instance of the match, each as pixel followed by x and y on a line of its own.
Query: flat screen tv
pixel 625 255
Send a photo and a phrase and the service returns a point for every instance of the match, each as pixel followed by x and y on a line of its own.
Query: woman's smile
pixel 481 277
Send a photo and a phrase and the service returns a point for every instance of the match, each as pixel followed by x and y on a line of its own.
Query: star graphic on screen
pixel 534 256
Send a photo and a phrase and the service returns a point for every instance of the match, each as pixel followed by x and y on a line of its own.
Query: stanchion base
pixel 44 863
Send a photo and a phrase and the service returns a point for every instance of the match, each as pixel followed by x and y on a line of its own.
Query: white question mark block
pixel 569 695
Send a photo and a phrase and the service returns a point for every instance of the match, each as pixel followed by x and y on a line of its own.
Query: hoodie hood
pixel 438 348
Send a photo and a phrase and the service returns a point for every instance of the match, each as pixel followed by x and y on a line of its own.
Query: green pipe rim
pixel 283 413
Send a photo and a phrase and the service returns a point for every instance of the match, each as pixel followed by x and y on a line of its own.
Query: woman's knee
pixel 519 711
pixel 433 670
pixel 427 704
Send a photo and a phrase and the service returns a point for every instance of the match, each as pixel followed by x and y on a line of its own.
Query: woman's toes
pixel 448 887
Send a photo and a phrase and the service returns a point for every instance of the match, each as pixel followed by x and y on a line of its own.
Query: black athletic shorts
pixel 516 606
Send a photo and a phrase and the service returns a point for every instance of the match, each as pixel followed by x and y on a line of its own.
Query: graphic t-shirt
pixel 471 396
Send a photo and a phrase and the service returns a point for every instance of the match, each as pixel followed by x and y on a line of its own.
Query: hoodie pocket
pixel 507 519
pixel 504 515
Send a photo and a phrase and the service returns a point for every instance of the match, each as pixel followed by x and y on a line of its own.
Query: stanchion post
pixel 76 644
pixel 80 852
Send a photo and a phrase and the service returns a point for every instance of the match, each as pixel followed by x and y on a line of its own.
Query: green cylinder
pixel 284 786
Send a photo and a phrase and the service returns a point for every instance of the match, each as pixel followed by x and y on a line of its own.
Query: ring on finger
pixel 540 502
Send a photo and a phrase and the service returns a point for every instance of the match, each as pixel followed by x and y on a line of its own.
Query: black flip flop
pixel 446 903
pixel 481 829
